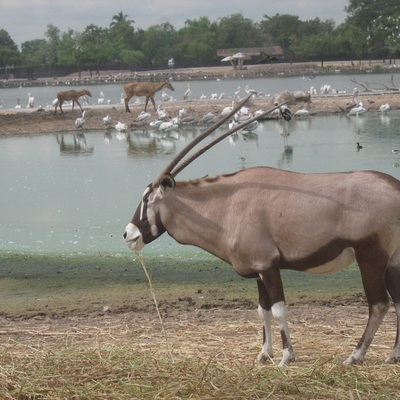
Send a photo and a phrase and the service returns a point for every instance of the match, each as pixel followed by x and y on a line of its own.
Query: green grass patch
pixel 59 284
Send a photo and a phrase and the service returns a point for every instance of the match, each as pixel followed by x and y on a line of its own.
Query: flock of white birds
pixel 164 122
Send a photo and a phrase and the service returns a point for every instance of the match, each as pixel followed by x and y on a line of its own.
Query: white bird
pixel 121 127
pixel 325 89
pixel 244 111
pixel 240 118
pixel 227 110
pixel 165 96
pixel 250 91
pixel 243 114
pixel 156 123
pixel 18 105
pixel 168 126
pixel 357 110
pixel 161 113
pixel 188 93
pixel 232 124
pixel 182 113
pixel 143 116
pixel 237 92
pixel 303 112
pixel 208 118
pixel 31 101
pixel 251 127
pixel 79 122
pixel 384 107
pixel 107 120
pixel 100 100
pixel 188 119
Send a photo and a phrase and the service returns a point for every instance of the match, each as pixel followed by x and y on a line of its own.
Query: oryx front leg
pixel 273 284
pixel 264 311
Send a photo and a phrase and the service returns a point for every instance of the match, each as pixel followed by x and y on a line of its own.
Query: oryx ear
pixel 167 182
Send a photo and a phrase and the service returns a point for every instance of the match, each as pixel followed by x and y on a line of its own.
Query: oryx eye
pixel 146 198
pixel 146 194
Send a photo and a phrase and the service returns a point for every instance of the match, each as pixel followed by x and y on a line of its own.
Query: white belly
pixel 342 261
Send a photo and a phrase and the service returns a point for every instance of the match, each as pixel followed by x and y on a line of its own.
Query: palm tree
pixel 120 18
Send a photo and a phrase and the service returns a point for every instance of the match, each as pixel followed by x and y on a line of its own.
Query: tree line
pixel 371 30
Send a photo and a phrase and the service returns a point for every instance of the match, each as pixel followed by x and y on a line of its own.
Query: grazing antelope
pixel 147 89
pixel 70 95
pixel 261 220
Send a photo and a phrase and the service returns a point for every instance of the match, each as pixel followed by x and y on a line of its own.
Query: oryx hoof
pixel 353 361
pixel 263 358
pixel 392 359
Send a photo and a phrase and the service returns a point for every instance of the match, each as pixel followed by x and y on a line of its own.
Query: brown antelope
pixel 70 95
pixel 148 89
pixel 261 220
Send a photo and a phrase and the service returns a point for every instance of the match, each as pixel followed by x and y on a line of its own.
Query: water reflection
pixel 146 143
pixel 77 147
pixel 286 158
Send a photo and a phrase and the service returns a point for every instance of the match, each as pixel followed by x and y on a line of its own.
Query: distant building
pixel 256 54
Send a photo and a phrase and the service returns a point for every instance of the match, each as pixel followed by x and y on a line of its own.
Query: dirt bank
pixel 39 121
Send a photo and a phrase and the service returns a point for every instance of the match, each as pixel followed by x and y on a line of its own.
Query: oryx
pixel 261 220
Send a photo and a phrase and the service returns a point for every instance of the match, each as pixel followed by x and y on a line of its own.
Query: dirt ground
pixel 318 331
pixel 41 121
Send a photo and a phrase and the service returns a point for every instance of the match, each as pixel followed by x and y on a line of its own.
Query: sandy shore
pixel 39 121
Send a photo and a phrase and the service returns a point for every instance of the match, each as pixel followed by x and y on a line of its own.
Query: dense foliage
pixel 371 30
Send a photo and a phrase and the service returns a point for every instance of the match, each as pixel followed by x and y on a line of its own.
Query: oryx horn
pixel 186 162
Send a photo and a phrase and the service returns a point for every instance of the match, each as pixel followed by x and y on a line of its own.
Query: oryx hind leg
pixel 373 277
pixel 273 285
pixel 264 311
pixel 393 287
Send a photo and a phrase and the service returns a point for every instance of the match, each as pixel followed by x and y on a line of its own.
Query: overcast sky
pixel 27 20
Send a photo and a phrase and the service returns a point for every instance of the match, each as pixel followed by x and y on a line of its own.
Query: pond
pixel 75 194
pixel 266 85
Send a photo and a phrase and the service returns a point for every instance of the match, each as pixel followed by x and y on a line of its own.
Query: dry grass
pixel 126 357
pixel 58 342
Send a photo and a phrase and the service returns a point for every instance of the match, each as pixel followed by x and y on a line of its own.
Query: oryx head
pixel 147 224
